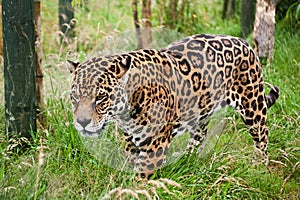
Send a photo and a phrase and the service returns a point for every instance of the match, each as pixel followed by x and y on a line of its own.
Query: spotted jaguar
pixel 155 95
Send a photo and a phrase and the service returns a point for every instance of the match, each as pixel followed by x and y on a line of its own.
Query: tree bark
pixel 143 28
pixel 19 67
pixel 264 28
pixel 38 53
pixel 137 24
pixel 173 13
pixel 247 17
pixel 146 22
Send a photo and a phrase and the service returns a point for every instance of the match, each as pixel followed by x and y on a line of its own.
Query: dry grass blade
pixel 220 179
pixel 118 192
pixel 9 188
pixel 161 184
pixel 110 193
pixel 40 163
pixel 149 194
pixel 158 184
pixel 171 182
pixel 289 176
pixel 153 190
pixel 145 193
pixel 233 181
pixel 26 164
pixel 127 191
pixel 278 162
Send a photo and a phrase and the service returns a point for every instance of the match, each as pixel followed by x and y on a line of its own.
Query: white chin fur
pixel 90 134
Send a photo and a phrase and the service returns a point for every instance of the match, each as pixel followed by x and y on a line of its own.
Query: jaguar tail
pixel 272 96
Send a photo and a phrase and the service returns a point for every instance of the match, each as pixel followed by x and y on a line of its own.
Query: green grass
pixel 67 170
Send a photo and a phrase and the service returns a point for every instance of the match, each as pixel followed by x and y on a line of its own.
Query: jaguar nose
pixel 83 121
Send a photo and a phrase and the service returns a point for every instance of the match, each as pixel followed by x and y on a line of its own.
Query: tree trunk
pixel 247 17
pixel 66 15
pixel 137 24
pixel 228 9
pixel 146 22
pixel 173 13
pixel 143 34
pixel 264 28
pixel 19 67
pixel 38 53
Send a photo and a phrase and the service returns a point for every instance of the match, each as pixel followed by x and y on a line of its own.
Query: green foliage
pixel 79 3
pixel 289 11
pixel 282 8
pixel 178 15
pixel 293 16
pixel 58 166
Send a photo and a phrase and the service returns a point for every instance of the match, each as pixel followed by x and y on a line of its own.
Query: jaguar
pixel 156 94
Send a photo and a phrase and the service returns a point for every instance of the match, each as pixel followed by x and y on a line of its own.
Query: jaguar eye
pixel 101 97
pixel 101 103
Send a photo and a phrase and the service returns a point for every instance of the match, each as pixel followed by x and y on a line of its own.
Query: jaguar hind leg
pixel 254 115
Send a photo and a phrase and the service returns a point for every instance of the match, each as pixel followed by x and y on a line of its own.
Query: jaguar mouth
pixel 95 134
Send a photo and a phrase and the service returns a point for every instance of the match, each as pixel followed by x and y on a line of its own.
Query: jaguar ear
pixel 72 65
pixel 124 68
pixel 125 77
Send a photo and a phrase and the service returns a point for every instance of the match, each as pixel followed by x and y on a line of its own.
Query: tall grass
pixel 58 166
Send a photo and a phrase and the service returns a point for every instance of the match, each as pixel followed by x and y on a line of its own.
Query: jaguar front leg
pixel 152 155
pixel 198 133
pixel 131 150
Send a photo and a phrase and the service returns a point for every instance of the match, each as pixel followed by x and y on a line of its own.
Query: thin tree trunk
pixel 137 24
pixel 247 17
pixel 264 28
pixel 38 53
pixel 146 21
pixel 19 67
pixel 173 12
pixel 228 9
pixel 143 33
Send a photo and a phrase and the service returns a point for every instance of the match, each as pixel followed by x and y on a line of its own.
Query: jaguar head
pixel 98 92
